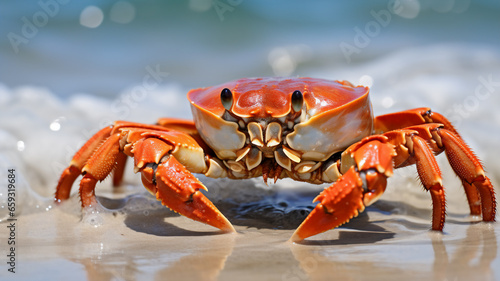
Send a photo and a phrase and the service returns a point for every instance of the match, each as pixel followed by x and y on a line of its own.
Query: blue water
pixel 202 43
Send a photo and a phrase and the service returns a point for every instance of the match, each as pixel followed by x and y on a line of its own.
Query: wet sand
pixel 139 239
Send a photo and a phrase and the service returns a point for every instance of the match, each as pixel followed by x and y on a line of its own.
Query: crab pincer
pixel 155 151
pixel 338 204
pixel 368 164
pixel 179 190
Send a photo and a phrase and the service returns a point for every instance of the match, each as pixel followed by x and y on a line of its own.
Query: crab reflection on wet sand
pixel 306 129
pixel 468 258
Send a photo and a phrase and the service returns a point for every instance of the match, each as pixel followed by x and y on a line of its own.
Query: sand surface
pixel 147 242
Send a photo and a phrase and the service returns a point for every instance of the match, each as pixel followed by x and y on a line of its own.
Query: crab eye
pixel 226 97
pixel 297 101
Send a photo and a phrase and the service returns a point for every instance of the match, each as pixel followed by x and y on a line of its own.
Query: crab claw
pixel 338 203
pixel 179 190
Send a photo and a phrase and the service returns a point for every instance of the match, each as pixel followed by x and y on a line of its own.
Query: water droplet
pixel 55 126
pixel 387 102
pixel 122 12
pixel 20 145
pixel 366 80
pixel 91 17
pixel 281 61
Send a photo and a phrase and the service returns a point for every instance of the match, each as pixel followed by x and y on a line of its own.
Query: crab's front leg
pixel 158 154
pixel 366 166
pixel 370 164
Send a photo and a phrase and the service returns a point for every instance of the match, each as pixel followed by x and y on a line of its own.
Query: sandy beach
pixel 390 240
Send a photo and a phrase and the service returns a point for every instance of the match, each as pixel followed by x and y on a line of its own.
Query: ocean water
pixel 69 68
pixel 199 44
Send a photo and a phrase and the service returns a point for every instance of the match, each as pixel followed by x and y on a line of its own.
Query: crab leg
pixel 369 162
pixel 182 125
pixel 408 118
pixel 478 188
pixel 179 190
pixel 165 177
pixel 119 169
pixel 467 166
pixel 430 176
pixel 72 172
pixel 338 203
pixel 372 162
pixel 358 187
pixel 97 168
pixel 155 156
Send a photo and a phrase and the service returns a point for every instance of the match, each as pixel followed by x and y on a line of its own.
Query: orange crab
pixel 307 129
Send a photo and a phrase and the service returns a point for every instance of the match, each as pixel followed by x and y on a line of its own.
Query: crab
pixel 311 130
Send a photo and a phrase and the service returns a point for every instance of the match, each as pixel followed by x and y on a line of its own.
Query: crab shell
pixel 334 115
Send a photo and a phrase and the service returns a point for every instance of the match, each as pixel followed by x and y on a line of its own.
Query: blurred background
pixel 103 47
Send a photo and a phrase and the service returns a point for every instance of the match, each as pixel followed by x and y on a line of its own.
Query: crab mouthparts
pixel 265 140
